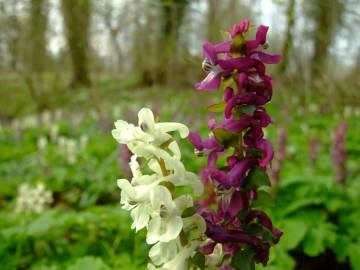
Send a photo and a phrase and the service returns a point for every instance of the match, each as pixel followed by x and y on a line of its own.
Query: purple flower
pixel 268 153
pixel 235 177
pixel 210 65
pixel 240 137
pixel 239 28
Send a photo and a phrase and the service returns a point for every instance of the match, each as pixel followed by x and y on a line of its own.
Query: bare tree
pixel 173 12
pixel 77 23
pixel 289 35
pixel 37 55
pixel 327 16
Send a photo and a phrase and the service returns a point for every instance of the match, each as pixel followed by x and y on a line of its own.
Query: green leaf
pixel 313 244
pixel 225 138
pixel 263 199
pixel 218 107
pixel 259 230
pixel 257 178
pixel 188 212
pixel 354 254
pixel 255 152
pixel 199 260
pixel 244 259
pixel 294 232
pixel 247 109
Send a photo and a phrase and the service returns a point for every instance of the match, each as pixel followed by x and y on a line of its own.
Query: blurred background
pixel 70 68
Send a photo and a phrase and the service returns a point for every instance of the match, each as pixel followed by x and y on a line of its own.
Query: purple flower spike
pixel 240 137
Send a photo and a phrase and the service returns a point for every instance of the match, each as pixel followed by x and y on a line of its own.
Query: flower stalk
pixel 237 67
pixel 174 230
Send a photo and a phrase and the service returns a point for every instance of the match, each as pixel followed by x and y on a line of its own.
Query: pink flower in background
pixel 314 148
pixel 280 154
pixel 338 151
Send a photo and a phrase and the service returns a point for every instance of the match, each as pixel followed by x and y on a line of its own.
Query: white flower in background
pixel 42 143
pixel 357 112
pixel 29 121
pixel 151 198
pixel 58 115
pixel 313 108
pixel 84 139
pixel 54 133
pixel 304 128
pixel 71 151
pixel 69 148
pixel 33 199
pixel 46 118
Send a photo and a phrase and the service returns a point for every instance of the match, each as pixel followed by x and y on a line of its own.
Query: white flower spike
pixel 151 197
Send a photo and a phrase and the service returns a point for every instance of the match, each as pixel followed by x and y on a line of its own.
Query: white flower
pixel 213 260
pixel 163 252
pixel 83 141
pixel 151 199
pixel 33 199
pixel 137 199
pixel 54 133
pixel 180 261
pixel 42 143
pixel 166 223
pixel 147 130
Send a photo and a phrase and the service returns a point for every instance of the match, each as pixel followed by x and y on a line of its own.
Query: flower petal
pixel 235 177
pixel 266 58
pixel 162 252
pixel 169 126
pixel 268 153
pixel 210 83
pixel 141 216
pixel 209 52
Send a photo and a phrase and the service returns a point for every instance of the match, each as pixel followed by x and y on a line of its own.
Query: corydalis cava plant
pixel 174 229
pixel 237 67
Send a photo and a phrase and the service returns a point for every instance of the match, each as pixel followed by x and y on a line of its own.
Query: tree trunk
pixel 173 12
pixel 77 23
pixel 213 26
pixel 327 16
pixel 37 56
pixel 288 41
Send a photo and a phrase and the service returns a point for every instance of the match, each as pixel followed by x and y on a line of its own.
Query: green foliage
pixel 89 263
pixel 85 227
pixel 218 107
pixel 244 259
pixel 257 178
pixel 226 138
